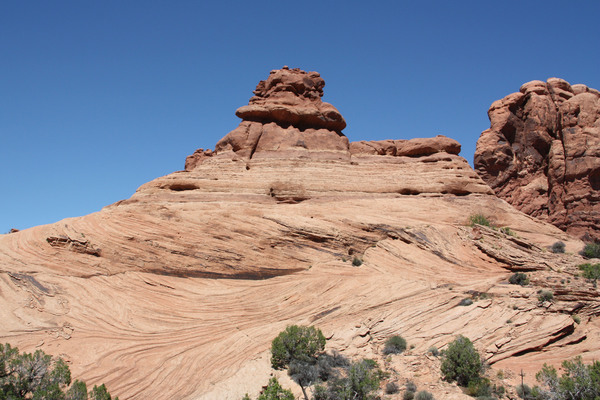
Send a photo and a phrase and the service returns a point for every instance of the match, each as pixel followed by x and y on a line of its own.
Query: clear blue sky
pixel 99 97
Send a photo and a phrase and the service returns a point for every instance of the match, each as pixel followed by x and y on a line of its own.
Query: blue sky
pixel 99 97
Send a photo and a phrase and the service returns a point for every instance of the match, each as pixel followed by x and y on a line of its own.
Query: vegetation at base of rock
pixel 480 219
pixel 357 262
pixel 40 376
pixel 591 250
pixel 359 381
pixel 394 345
pixel 578 381
pixel 298 349
pixel 591 272
pixel 558 247
pixel 545 295
pixel 273 391
pixel 519 278
pixel 423 395
pixel 576 319
pixel 461 362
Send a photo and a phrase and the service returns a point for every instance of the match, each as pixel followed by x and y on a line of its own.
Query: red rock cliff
pixel 541 154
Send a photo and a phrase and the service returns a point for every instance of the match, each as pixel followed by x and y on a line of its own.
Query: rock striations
pixel 542 154
pixel 165 294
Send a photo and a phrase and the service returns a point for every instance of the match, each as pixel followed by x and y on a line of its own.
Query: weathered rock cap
pixel 292 97
pixel 417 147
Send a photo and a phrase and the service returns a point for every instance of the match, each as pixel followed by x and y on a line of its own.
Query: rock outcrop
pixel 287 118
pixel 542 154
pixel 177 292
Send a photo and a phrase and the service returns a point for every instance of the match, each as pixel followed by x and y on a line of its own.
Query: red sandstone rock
pixel 413 147
pixel 541 154
pixel 197 158
pixel 286 118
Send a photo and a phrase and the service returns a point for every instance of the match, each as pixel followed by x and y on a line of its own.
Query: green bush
pixel 591 250
pixel 558 247
pixel 591 272
pixel 479 219
pixel 424 395
pixel 519 278
pixel 274 391
pixel 461 362
pixel 394 345
pixel 39 376
pixel 578 381
pixel 507 231
pixel 357 262
pixel 361 382
pixel 479 388
pixel 545 295
pixel 576 319
pixel 296 343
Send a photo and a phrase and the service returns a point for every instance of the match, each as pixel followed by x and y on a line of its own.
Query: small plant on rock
pixel 424 395
pixel 519 278
pixel 391 388
pixel 591 250
pixel 394 345
pixel 558 247
pixel 357 262
pixel 465 302
pixel 545 295
pixel 479 219
pixel 591 272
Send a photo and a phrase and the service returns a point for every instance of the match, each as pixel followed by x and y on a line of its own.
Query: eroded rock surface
pixel 542 154
pixel 201 269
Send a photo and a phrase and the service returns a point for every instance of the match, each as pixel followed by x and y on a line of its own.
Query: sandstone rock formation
pixel 178 291
pixel 542 154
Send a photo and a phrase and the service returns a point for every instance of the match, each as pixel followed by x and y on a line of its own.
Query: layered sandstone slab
pixel 542 154
pixel 178 291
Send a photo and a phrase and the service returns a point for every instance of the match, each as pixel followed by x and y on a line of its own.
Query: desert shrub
pixel 360 382
pixel 519 278
pixel 591 250
pixel 591 272
pixel 578 381
pixel 408 395
pixel 410 386
pixel 357 262
pixel 479 219
pixel 391 388
pixel 545 295
pixel 394 345
pixel 298 349
pixel 433 351
pixel 40 376
pixel 479 388
pixel 524 391
pixel 558 247
pixel 465 302
pixel 423 395
pixel 274 391
pixel 507 231
pixel 576 319
pixel 461 362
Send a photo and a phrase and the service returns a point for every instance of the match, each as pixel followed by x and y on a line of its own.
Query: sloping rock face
pixel 177 292
pixel 542 154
